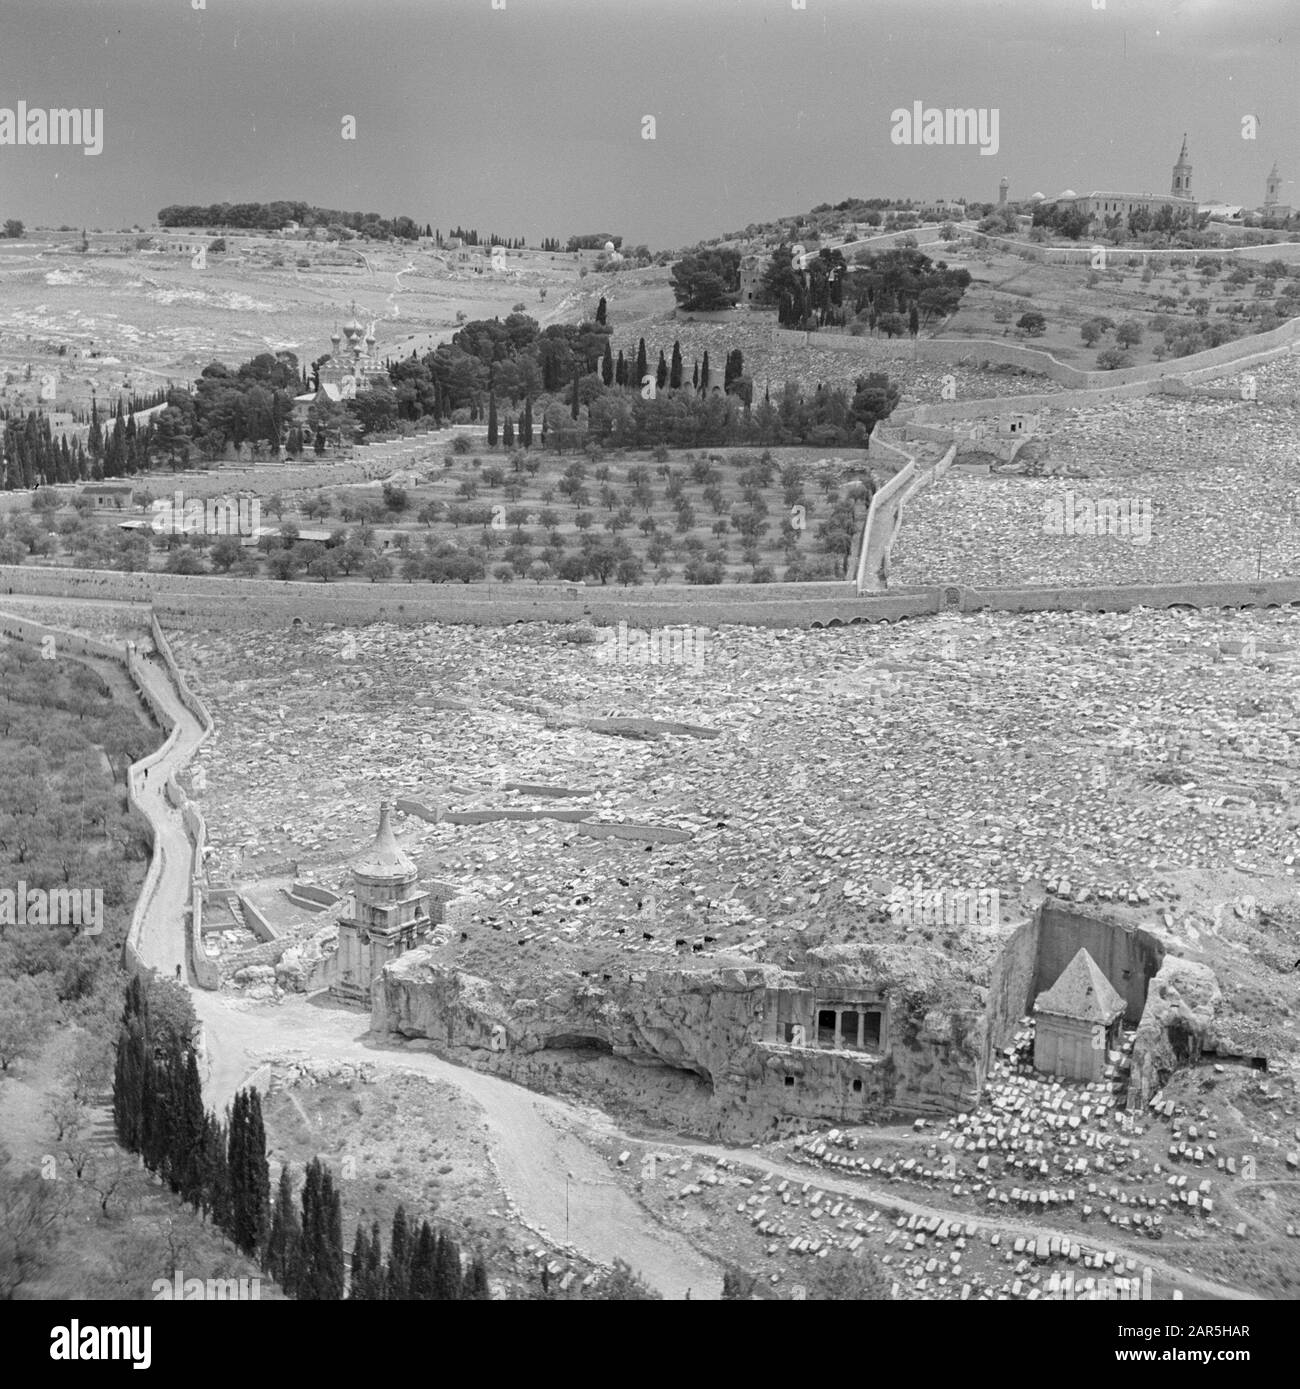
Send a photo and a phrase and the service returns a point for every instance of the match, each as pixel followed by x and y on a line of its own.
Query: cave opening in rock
pixel 826 1027
pixel 578 1041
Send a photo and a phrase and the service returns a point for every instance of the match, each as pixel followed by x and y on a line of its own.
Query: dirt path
pixel 537 1141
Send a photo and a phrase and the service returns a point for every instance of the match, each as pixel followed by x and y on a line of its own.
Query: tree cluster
pixel 216 1166
pixel 422 1266
pixel 707 279
pixel 275 215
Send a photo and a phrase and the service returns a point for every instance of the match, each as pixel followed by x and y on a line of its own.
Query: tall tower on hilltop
pixel 1004 186
pixel 1272 187
pixel 1182 184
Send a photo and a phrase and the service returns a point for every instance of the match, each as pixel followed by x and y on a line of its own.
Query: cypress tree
pixel 476 1282
pixel 284 1244
pixel 661 371
pixel 575 405
pixel 704 372
pixel 446 1270
pixel 695 374
pixel 358 1286
pixel 397 1286
pixel 508 433
pixel 526 423
pixel 155 1131
pixel 640 364
pixel 255 1217
pixel 320 1276
pixel 95 439
pixel 375 1264
pixel 913 321
pixel 620 370
pixel 675 369
pixel 128 1081
pixel 236 1141
pixel 306 1274
pixel 607 364
pixel 216 1173
pixel 191 1124
pixel 492 420
pixel 423 1281
pixel 601 310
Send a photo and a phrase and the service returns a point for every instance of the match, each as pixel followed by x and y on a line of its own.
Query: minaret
pixel 1182 184
pixel 1003 187
pixel 1273 187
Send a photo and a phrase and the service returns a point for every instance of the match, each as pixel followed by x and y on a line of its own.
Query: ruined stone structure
pixel 387 914
pixel 751 278
pixel 1077 1021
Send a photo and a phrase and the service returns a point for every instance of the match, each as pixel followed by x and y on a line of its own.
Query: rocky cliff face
pixel 1179 1019
pixel 686 1043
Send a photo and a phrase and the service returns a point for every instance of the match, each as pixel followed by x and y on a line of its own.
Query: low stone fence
pixel 35 633
pixel 202 966
pixel 190 700
pixel 1231 356
pixel 654 834
pixel 310 895
pixel 256 922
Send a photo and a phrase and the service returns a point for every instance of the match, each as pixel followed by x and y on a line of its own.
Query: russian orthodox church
pixel 352 365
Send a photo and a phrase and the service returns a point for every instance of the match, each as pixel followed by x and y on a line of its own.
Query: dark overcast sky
pixel 527 121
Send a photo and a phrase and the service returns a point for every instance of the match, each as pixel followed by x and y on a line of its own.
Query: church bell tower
pixel 1182 184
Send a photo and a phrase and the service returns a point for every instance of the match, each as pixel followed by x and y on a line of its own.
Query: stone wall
pixel 1230 356
pixel 187 696
pixel 654 834
pixel 884 517
pixel 256 922
pixel 1128 957
pixel 34 633
pixel 1082 255
pixel 202 966
pixel 318 896
pixel 1011 986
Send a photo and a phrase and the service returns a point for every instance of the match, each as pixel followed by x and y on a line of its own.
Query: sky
pixel 528 119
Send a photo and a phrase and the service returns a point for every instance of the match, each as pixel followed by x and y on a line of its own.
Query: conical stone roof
pixel 383 859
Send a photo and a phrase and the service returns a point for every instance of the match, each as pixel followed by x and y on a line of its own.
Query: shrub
pixel 461 445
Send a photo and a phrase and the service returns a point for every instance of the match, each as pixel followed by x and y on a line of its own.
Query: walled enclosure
pixel 1034 955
